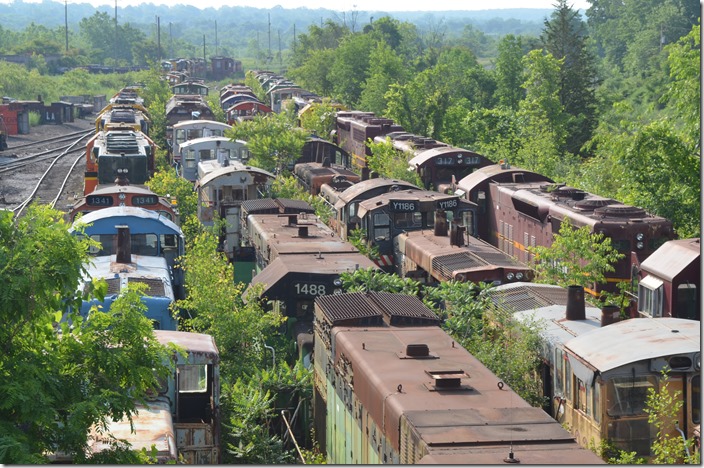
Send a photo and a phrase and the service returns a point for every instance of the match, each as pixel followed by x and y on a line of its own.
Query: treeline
pixel 609 104
pixel 265 36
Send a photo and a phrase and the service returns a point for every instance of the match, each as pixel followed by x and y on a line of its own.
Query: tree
pixel 274 141
pixel 350 68
pixel 542 116
pixel 509 72
pixel 387 161
pixel 58 383
pixel 663 408
pixel 565 38
pixel 386 68
pixel 320 120
pixel 576 257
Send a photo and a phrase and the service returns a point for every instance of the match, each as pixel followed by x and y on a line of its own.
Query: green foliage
pixel 287 186
pixel 387 161
pixel 509 72
pixel 565 37
pixel 576 257
pixel 663 408
pixel 56 386
pixel 167 183
pixel 320 120
pixel 511 350
pixel 216 307
pixel 247 439
pixel 357 238
pixel 368 279
pixel 273 140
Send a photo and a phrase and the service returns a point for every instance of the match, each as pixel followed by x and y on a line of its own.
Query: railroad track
pixel 42 176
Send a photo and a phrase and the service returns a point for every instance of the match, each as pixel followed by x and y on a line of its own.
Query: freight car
pixel 390 386
pixel 317 150
pixel 122 194
pixel 299 258
pixel 190 130
pixel 522 209
pixel 150 235
pixel 669 281
pixel 118 153
pixel 598 369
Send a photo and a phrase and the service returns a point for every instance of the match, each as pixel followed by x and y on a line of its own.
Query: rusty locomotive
pixel 390 386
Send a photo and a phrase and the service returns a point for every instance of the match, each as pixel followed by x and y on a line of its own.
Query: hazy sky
pixel 348 5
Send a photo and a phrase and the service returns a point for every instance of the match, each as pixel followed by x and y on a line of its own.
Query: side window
pixel 559 372
pixel 596 394
pixel 381 227
pixel 193 379
pixel 626 396
pixel 696 399
pixel 190 159
pixel 650 296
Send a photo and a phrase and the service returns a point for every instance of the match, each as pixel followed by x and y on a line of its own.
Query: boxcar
pixel 390 386
pixel 598 368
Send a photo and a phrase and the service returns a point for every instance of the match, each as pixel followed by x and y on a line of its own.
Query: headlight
pixel 639 236
pixel 509 277
pixel 337 282
pixel 640 245
pixel 519 276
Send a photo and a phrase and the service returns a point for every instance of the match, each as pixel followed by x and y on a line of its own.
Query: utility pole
pixel 115 41
pixel 171 42
pixel 281 60
pixel 269 54
pixel 66 22
pixel 158 37
pixel 216 38
pixel 204 62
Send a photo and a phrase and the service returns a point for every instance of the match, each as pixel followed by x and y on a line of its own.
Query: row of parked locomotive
pixel 139 241
pixel 491 201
